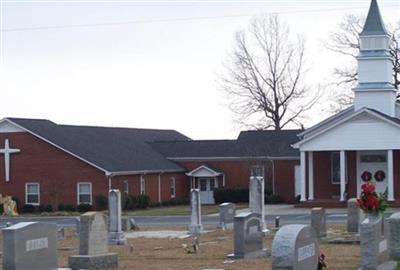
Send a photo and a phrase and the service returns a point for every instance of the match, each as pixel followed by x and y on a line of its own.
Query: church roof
pixel 374 24
pixel 249 144
pixel 108 148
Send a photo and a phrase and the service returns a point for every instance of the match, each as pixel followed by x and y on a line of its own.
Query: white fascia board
pixel 362 110
pixel 232 158
pixel 117 173
pixel 53 144
pixel 214 173
pixel 323 122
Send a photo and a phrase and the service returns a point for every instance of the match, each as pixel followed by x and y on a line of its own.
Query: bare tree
pixel 345 41
pixel 264 77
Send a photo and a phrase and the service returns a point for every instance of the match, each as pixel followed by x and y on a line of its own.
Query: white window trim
pixel 345 162
pixel 173 186
pixel 77 192
pixel 26 192
pixel 142 185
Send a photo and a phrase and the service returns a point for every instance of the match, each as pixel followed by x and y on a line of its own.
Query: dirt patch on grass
pixel 165 254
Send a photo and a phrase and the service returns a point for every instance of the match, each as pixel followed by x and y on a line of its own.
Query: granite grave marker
pixel 30 245
pixel 195 226
pixel 256 198
pixel 295 247
pixel 115 234
pixel 227 213
pixel 318 221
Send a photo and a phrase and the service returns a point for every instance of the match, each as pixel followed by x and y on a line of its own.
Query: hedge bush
pixel 45 208
pixel 143 201
pixel 234 195
pixel 28 208
pixel 101 202
pixel 84 207
pixel 69 208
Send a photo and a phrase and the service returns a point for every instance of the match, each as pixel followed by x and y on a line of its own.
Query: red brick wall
pixel 284 179
pixel 323 187
pixel 57 172
pixel 182 185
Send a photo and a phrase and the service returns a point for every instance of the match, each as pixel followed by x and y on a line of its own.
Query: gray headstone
pixel 30 245
pixel 125 225
pixel 248 236
pixel 318 221
pixel 353 216
pixel 373 243
pixel 227 213
pixel 295 247
pixel 93 244
pixel 115 234
pixel 256 198
pixel 394 236
pixel 195 226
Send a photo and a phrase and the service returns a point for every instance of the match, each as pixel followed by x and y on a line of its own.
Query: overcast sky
pixel 148 64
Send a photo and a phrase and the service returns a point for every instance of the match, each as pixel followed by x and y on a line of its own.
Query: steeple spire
pixel 374 24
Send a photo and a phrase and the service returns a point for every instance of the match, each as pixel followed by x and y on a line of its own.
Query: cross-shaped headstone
pixel 7 151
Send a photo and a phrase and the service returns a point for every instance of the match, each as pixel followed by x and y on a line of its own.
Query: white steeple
pixel 375 81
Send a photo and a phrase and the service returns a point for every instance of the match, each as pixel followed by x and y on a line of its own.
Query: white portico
pixel 359 143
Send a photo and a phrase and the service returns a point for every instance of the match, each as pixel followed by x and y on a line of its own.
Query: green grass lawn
pixel 179 210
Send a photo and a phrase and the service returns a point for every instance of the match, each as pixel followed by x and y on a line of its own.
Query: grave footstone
pixel 30 245
pixel 256 198
pixel 93 246
pixel 295 247
pixel 195 226
pixel 248 236
pixel 373 243
pixel 353 216
pixel 318 221
pixel 227 213
pixel 115 234
pixel 394 236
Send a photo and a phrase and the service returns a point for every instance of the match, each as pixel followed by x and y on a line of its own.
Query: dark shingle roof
pixel 112 149
pixel 268 143
pixel 374 24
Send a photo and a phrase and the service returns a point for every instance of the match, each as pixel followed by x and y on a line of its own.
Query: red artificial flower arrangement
pixel 370 201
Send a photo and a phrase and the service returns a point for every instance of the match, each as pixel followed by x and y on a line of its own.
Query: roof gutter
pixel 234 158
pixel 141 172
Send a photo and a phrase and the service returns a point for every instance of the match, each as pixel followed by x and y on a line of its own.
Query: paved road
pixel 298 218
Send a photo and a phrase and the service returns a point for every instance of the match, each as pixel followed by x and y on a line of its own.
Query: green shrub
pixel 143 201
pixel 101 202
pixel 28 208
pixel 84 207
pixel 69 208
pixel 61 207
pixel 273 199
pixel 45 208
pixel 234 195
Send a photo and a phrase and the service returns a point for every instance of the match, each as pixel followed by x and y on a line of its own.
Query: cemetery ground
pixel 157 254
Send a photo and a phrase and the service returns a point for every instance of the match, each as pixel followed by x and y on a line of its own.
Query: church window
pixel 173 187
pixel 32 193
pixel 126 187
pixel 335 168
pixel 85 193
pixel 142 185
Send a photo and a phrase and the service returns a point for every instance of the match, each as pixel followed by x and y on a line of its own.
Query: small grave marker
pixel 318 221
pixel 227 213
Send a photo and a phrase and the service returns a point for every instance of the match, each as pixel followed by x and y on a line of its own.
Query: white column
pixel 390 175
pixel 342 175
pixel 303 175
pixel 310 176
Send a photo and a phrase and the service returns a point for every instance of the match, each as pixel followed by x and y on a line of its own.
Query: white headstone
pixel 115 234
pixel 195 226
pixel 227 213
pixel 318 221
pixel 256 198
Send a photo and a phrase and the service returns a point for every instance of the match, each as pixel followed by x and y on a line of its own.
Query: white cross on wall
pixel 7 151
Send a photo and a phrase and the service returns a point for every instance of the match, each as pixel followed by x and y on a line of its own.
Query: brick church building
pixel 48 163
